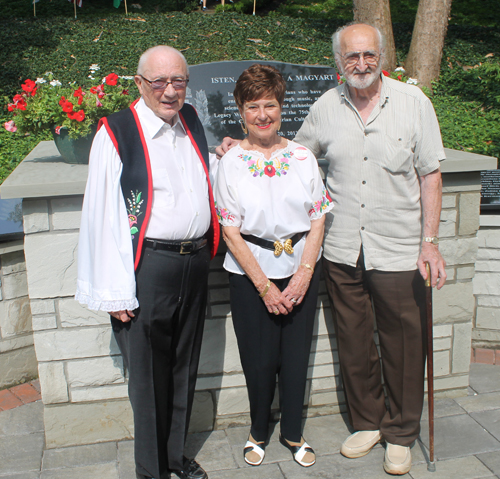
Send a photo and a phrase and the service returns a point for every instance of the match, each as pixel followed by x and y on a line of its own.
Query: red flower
pixel 112 79
pixel 125 92
pixel 269 170
pixel 18 98
pixel 386 73
pixel 10 126
pixel 11 106
pixel 62 101
pixel 79 94
pixel 19 103
pixel 58 130
pixel 67 107
pixel 28 86
pixel 77 115
pixel 98 90
pixel 399 77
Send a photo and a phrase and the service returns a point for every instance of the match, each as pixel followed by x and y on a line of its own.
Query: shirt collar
pixel 153 124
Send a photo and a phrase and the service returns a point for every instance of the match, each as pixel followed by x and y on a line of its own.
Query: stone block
pixel 66 213
pixel 17 365
pixel 35 216
pixel 460 182
pixel 69 457
pixel 221 381
pixel 488 301
pixel 465 272
pixel 324 343
pixel 221 311
pixel 485 335
pixel 15 317
pixel 459 251
pixel 75 343
pixel 321 384
pixel 100 393
pixel 73 314
pixel 217 295
pixel 42 306
pixel 442 330
pixel 440 344
pixel 75 424
pixel 447 224
pixel 487 266
pixel 323 357
pixel 16 342
pixel 218 261
pixel 108 470
pixel 488 318
pixel 451 273
pixel 13 262
pixel 321 371
pixel 488 254
pixel 454 302
pixel 20 455
pixel 232 401
pixel 95 372
pixel 327 398
pixel 15 285
pixel 461 348
pixel 449 201
pixel 442 363
pixel 53 382
pixel 451 382
pixel 488 238
pixel 220 278
pixel 202 416
pixel 58 253
pixel 219 349
pixel 469 213
pixel 487 283
pixel 41 323
pixel 323 323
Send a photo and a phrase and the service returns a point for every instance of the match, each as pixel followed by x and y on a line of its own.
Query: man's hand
pixel 430 254
pixel 225 146
pixel 123 316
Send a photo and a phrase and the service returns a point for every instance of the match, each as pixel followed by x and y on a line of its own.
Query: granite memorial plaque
pixel 211 87
pixel 11 219
pixel 490 190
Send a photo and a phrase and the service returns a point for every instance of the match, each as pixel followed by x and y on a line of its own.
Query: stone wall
pixel 486 332
pixel 81 372
pixel 17 355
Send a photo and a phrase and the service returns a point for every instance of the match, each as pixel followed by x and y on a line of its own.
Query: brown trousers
pixel 396 302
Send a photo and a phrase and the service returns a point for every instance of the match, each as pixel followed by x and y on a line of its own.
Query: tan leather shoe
pixel 360 443
pixel 397 459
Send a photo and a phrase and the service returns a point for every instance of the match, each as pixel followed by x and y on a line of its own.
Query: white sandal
pixel 298 452
pixel 252 447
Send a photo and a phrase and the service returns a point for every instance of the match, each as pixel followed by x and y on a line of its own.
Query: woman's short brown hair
pixel 259 81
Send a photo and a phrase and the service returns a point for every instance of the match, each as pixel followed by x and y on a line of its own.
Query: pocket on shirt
pixel 398 155
pixel 163 193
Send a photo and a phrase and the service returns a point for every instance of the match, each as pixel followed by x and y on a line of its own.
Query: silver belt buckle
pixel 187 247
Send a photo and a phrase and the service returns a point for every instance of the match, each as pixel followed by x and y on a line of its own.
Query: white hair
pixel 337 36
pixel 158 48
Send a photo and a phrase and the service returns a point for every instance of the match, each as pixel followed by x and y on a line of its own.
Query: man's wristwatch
pixel 431 239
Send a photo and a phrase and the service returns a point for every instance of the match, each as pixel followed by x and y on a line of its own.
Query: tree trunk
pixel 424 58
pixel 378 14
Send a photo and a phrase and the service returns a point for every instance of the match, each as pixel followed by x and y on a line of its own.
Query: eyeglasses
pixel 178 83
pixel 352 58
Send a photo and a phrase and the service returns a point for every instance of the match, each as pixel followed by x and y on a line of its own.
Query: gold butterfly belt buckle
pixel 286 246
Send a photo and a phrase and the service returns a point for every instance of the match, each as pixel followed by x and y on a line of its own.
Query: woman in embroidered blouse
pixel 271 203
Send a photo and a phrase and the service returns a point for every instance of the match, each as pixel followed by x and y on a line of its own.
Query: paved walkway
pixel 467 446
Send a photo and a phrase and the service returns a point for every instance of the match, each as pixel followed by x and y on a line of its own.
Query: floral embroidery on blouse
pixel 134 203
pixel 277 166
pixel 223 214
pixel 322 204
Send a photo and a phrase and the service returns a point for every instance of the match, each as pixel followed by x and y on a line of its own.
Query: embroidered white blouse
pixel 272 199
pixel 106 277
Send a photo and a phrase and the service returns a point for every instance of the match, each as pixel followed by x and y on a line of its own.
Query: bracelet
pixel 308 266
pixel 266 289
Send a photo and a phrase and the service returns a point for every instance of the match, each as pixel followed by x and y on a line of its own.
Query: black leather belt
pixel 181 247
pixel 266 244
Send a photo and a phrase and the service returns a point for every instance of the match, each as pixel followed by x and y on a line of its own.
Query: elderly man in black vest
pixel 148 232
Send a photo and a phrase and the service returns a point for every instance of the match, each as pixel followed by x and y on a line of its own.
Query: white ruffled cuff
pixel 108 306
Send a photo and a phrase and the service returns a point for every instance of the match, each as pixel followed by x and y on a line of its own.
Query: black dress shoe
pixel 192 470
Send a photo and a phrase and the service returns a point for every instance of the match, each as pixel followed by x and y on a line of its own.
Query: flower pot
pixel 74 150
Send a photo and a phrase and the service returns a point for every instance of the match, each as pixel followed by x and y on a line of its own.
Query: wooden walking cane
pixel 431 466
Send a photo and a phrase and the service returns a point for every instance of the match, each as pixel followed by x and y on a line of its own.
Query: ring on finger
pixel 276 311
pixel 293 300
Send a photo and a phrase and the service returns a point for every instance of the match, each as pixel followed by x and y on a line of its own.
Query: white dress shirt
pixel 180 210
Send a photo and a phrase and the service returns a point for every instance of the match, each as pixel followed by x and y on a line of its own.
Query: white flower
pixel 399 69
pixel 91 77
pixel 55 83
pixel 412 81
pixel 41 80
pixel 48 74
pixel 94 67
pixel 126 78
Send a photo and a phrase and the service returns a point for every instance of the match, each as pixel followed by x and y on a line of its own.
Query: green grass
pixel 54 41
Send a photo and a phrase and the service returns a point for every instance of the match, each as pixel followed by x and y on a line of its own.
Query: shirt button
pixel 364 182
pixel 365 158
pixel 362 228
pixel 362 206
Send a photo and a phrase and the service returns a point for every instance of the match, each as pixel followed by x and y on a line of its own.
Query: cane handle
pixel 428 270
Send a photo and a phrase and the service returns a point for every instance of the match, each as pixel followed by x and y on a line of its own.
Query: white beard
pixel 363 81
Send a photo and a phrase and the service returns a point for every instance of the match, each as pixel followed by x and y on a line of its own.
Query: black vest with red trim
pixel 125 131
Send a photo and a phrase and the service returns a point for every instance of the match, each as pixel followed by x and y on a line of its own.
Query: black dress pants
pixel 161 349
pixel 271 345
pixel 396 301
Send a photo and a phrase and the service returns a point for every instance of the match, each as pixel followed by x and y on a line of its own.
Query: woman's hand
pixel 123 316
pixel 298 285
pixel 275 302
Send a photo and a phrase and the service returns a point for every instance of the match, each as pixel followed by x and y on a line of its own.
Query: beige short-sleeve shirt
pixel 373 174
